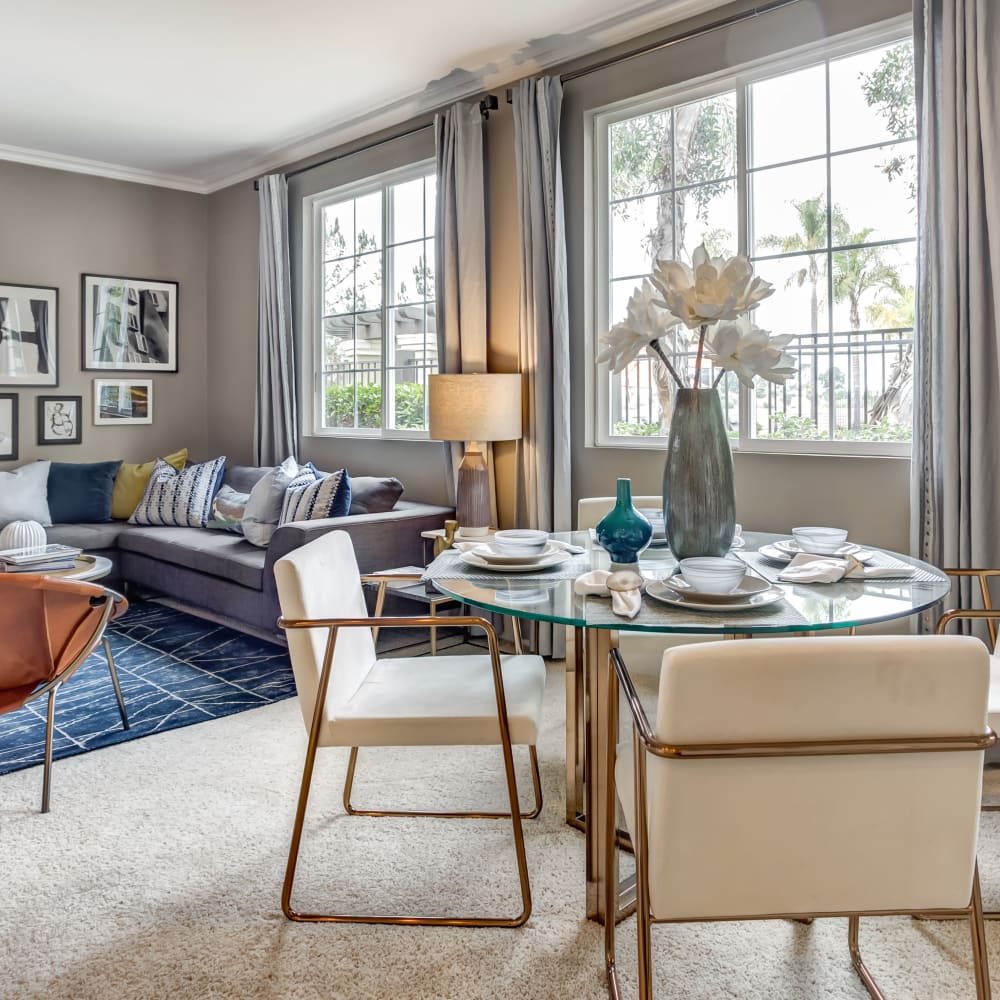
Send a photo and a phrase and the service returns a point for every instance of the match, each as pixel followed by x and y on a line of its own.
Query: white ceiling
pixel 199 94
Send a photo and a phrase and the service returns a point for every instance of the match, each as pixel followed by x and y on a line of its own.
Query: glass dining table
pixel 547 595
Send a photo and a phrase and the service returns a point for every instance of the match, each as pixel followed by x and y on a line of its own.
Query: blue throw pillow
pixel 179 499
pixel 326 497
pixel 80 493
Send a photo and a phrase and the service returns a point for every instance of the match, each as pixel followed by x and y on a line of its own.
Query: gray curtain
pixel 276 431
pixel 955 502
pixel 460 255
pixel 543 499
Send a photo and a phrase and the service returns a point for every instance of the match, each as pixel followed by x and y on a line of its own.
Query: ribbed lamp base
pixel 472 499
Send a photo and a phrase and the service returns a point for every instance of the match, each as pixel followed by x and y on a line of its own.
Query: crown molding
pixel 534 57
pixel 99 168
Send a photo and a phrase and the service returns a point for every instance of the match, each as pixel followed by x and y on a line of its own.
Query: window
pixel 369 304
pixel 809 171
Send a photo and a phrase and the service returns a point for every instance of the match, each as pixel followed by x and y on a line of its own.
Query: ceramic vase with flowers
pixel 702 306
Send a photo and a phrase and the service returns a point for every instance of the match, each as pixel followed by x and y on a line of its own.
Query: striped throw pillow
pixel 180 499
pixel 309 501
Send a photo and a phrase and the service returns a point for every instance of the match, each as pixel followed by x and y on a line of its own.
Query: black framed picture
pixel 29 334
pixel 60 419
pixel 129 324
pixel 8 426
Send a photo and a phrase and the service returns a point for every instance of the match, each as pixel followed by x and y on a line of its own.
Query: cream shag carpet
pixel 158 875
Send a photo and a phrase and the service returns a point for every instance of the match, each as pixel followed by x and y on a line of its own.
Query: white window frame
pixel 597 235
pixel 311 347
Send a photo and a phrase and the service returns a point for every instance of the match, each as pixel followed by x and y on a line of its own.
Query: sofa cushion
pixel 328 496
pixel 180 499
pixel 130 483
pixel 24 494
pixel 228 509
pixel 216 553
pixel 243 478
pixel 374 494
pixel 89 537
pixel 80 492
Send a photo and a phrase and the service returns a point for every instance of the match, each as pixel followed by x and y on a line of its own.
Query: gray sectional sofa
pixel 223 574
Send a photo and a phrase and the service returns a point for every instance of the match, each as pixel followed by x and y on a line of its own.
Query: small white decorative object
pixel 21 535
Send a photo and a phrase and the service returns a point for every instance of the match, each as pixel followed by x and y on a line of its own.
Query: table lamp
pixel 474 408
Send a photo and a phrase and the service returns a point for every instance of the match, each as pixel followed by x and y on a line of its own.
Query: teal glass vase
pixel 699 496
pixel 623 531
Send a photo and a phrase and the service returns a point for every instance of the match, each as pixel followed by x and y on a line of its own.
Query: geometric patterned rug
pixel 175 670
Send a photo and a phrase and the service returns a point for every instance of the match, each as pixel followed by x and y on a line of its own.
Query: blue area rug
pixel 175 670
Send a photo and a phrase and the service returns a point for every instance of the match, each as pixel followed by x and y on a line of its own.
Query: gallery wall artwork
pixel 29 326
pixel 8 426
pixel 129 324
pixel 123 401
pixel 60 419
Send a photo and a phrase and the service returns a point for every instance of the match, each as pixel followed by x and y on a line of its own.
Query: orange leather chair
pixel 48 627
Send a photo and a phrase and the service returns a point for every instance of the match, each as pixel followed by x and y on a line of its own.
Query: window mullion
pixel 388 420
pixel 743 227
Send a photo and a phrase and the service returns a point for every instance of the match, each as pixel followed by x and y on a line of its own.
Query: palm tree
pixel 856 271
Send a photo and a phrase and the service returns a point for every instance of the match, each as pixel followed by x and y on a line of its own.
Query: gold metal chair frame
pixel 989 614
pixel 51 688
pixel 644 742
pixel 333 625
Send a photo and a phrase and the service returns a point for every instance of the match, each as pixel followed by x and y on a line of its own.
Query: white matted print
pixel 28 335
pixel 8 426
pixel 129 324
pixel 60 419
pixel 123 401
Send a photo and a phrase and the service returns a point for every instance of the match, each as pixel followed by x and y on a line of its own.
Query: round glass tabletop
pixel 547 595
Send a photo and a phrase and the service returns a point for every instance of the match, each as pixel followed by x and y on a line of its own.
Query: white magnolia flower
pixel 739 346
pixel 712 290
pixel 647 320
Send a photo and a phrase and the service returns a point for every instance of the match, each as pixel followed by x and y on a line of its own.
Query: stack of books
pixel 38 559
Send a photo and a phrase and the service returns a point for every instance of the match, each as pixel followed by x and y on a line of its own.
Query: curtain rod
pixel 486 105
pixel 684 36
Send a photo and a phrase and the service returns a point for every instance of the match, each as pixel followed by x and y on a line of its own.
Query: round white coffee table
pixel 86 568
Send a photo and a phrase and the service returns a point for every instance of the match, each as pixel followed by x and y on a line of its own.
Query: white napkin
pixel 806 568
pixel 624 587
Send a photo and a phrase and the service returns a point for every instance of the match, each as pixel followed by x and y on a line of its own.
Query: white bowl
pixel 820 541
pixel 712 574
pixel 520 542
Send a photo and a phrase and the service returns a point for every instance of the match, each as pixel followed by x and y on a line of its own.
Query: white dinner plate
pixel 488 554
pixel 743 591
pixel 552 559
pixel 661 591
pixel 785 551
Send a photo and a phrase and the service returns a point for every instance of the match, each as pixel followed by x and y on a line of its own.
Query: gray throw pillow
pixel 268 494
pixel 24 494
pixel 374 494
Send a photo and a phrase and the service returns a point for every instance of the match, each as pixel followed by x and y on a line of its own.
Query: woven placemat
pixel 771 570
pixel 780 615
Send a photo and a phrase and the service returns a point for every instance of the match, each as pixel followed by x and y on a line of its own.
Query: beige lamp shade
pixel 475 407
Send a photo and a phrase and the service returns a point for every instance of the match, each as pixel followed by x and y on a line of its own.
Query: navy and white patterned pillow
pixel 309 501
pixel 181 499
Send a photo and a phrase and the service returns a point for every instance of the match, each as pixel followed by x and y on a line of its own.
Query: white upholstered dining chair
pixel 351 698
pixel 853 764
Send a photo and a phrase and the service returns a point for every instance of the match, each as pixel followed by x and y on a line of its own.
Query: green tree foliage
pixel 408 399
pixel 890 90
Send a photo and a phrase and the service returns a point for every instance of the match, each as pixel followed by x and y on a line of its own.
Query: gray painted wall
pixel 57 226
pixel 870 496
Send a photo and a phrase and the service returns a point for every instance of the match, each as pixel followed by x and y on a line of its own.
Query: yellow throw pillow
pixel 130 483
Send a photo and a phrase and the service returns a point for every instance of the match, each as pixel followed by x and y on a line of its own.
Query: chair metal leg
pixel 853 925
pixel 514 815
pixel 114 680
pixel 536 782
pixel 980 960
pixel 50 725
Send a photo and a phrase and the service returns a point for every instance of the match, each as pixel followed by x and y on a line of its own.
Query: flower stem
pixel 655 344
pixel 697 360
pixel 718 378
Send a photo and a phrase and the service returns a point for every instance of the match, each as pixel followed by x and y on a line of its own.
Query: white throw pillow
pixel 180 499
pixel 268 493
pixel 24 494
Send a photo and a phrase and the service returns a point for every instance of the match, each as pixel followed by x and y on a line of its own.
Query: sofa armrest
pixel 381 541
